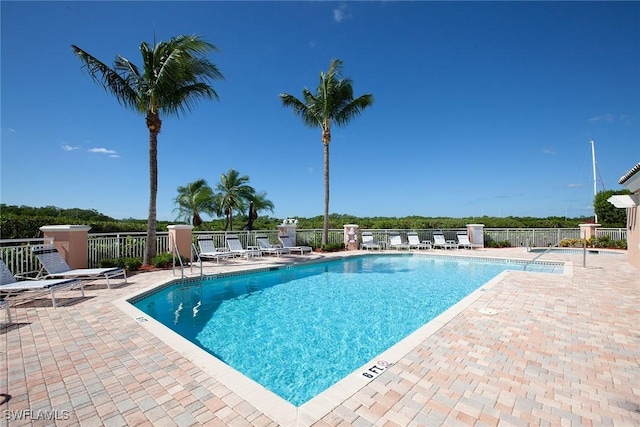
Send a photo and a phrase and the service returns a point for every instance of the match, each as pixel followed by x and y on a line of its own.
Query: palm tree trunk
pixel 153 124
pixel 325 225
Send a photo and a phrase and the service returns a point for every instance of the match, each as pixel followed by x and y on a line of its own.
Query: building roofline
pixel 629 174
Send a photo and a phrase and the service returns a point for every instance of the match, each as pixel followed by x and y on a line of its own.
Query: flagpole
pixel 595 191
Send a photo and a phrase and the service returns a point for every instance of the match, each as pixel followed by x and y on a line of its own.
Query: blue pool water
pixel 299 330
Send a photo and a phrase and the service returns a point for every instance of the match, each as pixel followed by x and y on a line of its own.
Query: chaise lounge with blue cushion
pixel 289 244
pixel 209 251
pixel 57 267
pixel 10 286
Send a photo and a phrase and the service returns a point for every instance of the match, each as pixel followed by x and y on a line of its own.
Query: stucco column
pixel 588 230
pixel 476 235
pixel 288 228
pixel 351 237
pixel 181 236
pixel 71 243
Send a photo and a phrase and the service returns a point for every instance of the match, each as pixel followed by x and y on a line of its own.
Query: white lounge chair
pixel 463 241
pixel 415 243
pixel 266 247
pixel 57 267
pixel 395 242
pixel 368 242
pixel 9 286
pixel 440 242
pixel 209 251
pixel 288 243
pixel 235 247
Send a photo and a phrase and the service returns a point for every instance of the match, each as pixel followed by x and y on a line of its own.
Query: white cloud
pixel 548 151
pixel 575 185
pixel 339 14
pixel 103 151
pixel 605 117
pixel 67 147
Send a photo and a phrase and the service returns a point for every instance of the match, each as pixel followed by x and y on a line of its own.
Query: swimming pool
pixel 299 330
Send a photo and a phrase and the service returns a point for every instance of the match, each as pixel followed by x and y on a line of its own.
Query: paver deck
pixel 548 349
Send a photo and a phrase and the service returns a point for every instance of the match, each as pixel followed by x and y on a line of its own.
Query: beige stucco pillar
pixel 351 237
pixel 181 236
pixel 476 235
pixel 71 243
pixel 288 228
pixel 588 231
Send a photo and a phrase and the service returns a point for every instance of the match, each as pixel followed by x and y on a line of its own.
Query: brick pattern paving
pixel 562 350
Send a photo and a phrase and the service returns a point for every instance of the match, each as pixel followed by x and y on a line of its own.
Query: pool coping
pixel 274 406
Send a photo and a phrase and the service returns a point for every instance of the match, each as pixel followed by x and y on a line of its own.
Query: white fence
pixel 17 255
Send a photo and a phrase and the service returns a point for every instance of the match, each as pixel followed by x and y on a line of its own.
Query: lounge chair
pixel 266 247
pixel 235 247
pixel 415 243
pixel 9 286
pixel 368 242
pixel 463 241
pixel 209 251
pixel 288 243
pixel 440 242
pixel 57 267
pixel 395 242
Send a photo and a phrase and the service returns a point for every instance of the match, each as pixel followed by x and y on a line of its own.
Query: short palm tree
pixel 234 194
pixel 261 203
pixel 192 200
pixel 333 103
pixel 174 75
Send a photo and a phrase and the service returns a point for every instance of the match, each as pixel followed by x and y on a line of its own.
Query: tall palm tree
pixel 193 199
pixel 333 103
pixel 234 194
pixel 174 75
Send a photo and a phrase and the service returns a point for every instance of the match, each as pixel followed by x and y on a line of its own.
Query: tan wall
pixel 71 243
pixel 633 236
pixel 181 236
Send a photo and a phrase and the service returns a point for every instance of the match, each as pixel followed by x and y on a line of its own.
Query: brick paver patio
pixel 556 350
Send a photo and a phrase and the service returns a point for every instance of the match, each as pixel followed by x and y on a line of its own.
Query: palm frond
pixel 109 78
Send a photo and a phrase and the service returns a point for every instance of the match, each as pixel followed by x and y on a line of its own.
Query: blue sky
pixel 481 108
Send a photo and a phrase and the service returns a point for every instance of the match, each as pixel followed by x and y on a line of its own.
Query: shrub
pixel 129 263
pixel 165 260
pixel 162 260
pixel 132 264
pixel 332 247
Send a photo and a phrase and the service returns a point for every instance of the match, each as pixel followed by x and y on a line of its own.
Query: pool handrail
pixel 540 254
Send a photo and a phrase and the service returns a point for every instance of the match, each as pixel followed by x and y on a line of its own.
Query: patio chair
pixel 463 241
pixel 288 243
pixel 266 247
pixel 9 286
pixel 415 243
pixel 57 267
pixel 368 242
pixel 440 242
pixel 209 251
pixel 235 247
pixel 395 242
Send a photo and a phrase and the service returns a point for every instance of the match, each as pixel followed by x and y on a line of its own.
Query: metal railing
pixel 17 254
